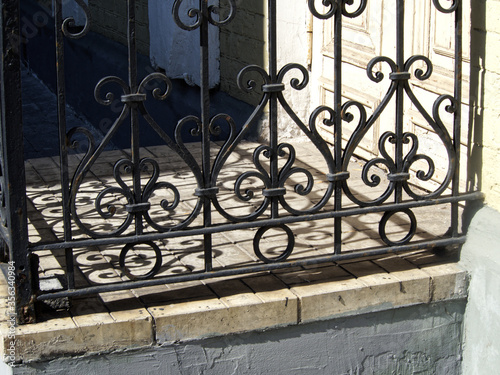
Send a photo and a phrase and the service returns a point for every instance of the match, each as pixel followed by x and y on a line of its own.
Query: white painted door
pixel 428 32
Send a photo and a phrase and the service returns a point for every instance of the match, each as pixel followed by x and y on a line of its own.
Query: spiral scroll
pixel 333 6
pixel 198 18
pixel 399 78
pixel 452 8
pixel 69 22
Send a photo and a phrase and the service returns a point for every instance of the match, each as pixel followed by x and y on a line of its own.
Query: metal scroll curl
pixel 357 11
pixel 334 5
pixel 69 23
pixel 440 129
pixel 158 93
pixel 248 80
pixel 288 171
pixel 378 76
pixel 213 12
pixel 450 9
pixel 330 12
pixel 312 133
pixel 419 73
pixel 394 175
pixel 110 97
pixel 131 206
pixel 247 195
pixel 360 131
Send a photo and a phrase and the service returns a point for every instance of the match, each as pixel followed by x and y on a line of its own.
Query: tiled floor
pixel 99 264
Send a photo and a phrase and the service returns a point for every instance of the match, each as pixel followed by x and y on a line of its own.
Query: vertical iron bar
pixel 205 131
pixel 134 116
pixel 273 105
pixel 13 159
pixel 338 125
pixel 457 116
pixel 63 147
pixel 400 62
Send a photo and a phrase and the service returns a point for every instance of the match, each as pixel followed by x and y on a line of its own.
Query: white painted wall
pixel 292 20
pixel 481 257
pixel 177 50
pixel 481 253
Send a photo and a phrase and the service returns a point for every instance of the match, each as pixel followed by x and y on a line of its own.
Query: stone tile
pixel 385 287
pixel 373 290
pixel 84 334
pixel 270 289
pixel 312 275
pixel 89 311
pixel 317 234
pixel 413 282
pixel 189 320
pixel 230 255
pixel 424 258
pixel 323 300
pixel 91 329
pixel 361 240
pixel 162 294
pixel 42 164
pixel 448 281
pixel 48 339
pixel 235 311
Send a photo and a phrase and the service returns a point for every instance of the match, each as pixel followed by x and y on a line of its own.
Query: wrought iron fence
pixel 137 179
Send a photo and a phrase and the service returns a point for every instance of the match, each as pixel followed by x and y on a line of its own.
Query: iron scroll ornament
pixel 133 204
pixel 270 88
pixel 401 176
pixel 198 16
pixel 69 23
pixel 452 8
pixel 334 5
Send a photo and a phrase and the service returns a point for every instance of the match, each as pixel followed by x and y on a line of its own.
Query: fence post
pixel 14 228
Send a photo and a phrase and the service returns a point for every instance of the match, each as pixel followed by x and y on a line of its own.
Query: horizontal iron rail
pixel 258 223
pixel 253 269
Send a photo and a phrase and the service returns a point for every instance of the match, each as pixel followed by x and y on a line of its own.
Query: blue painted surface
pixel 88 60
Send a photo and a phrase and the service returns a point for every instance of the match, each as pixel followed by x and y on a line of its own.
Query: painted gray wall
pixel 423 339
pixel 481 257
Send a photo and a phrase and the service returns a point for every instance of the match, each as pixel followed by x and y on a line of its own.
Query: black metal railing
pixel 135 222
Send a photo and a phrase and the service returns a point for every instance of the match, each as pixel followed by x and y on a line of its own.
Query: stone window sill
pixel 195 310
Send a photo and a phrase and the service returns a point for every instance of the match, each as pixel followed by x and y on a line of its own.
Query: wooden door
pixel 428 32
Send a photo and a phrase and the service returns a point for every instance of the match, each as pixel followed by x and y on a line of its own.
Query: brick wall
pixel 110 19
pixel 242 42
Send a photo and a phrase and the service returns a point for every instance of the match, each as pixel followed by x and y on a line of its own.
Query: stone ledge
pixel 120 320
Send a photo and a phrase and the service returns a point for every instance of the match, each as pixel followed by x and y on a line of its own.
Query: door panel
pixel 428 32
